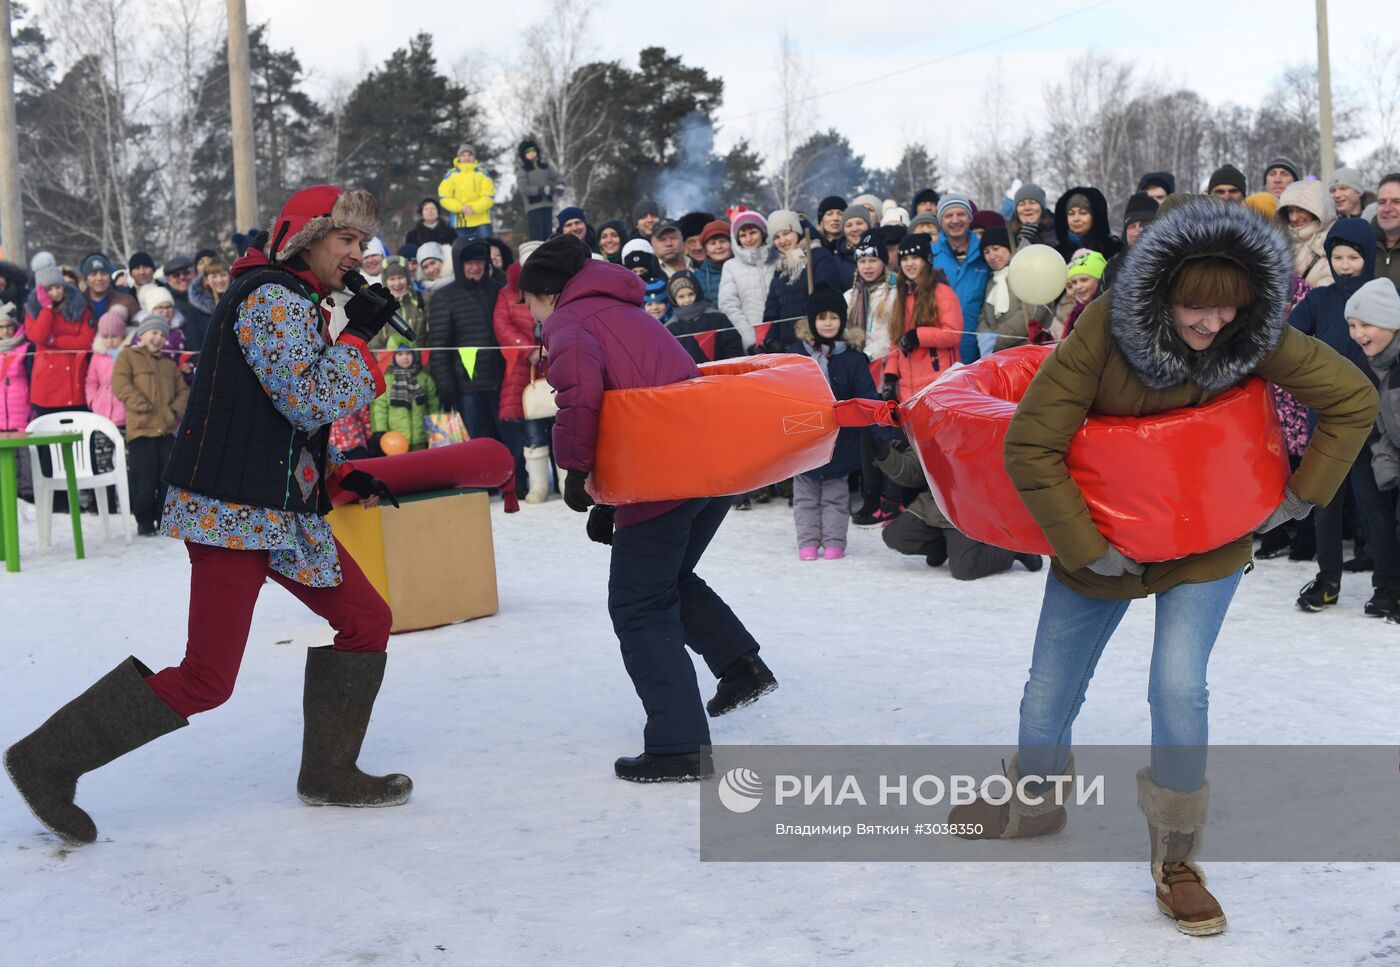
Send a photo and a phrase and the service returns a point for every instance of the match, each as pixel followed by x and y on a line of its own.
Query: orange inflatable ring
pixel 1158 487
pixel 740 425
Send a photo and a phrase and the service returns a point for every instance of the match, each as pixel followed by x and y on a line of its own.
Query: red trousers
pixel 224 587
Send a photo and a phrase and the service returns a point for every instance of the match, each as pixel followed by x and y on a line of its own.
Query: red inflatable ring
pixel 1158 487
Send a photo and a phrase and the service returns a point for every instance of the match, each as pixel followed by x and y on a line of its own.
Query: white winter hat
pixel 637 245
pixel 525 251
pixel 783 220
pixel 1375 304
pixel 375 247
pixel 151 295
pixel 430 250
pixel 895 216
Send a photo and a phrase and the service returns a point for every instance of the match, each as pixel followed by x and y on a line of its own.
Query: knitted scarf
pixel 405 389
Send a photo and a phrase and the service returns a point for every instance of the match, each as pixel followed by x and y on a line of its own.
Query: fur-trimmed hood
pixel 1140 319
pixel 851 336
pixel 72 307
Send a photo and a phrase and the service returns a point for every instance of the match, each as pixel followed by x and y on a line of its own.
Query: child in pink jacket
pixel 111 335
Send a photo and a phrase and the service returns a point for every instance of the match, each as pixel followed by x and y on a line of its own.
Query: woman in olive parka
pixel 1197 307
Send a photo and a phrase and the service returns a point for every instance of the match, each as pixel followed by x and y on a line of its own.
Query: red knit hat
pixel 715 229
pixel 315 212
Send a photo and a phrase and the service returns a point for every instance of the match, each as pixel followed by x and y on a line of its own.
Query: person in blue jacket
pixel 958 255
pixel 1351 254
pixel 821 498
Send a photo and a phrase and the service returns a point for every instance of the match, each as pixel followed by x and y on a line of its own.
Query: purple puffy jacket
pixel 599 338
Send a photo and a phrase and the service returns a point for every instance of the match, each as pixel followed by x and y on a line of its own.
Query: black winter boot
pixel 1321 592
pixel 116 715
pixel 1031 562
pixel 654 767
pixel 743 683
pixel 339 697
pixel 1384 603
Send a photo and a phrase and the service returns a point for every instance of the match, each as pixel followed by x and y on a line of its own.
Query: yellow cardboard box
pixel 431 558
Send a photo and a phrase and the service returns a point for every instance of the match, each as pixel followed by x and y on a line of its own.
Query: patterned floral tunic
pixel 310 383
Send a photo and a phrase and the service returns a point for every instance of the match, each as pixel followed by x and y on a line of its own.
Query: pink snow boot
pixel 834 553
pixel 806 553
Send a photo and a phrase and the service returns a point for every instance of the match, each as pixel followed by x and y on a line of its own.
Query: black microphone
pixel 354 281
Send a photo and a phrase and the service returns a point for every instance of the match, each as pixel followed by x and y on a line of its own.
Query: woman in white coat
pixel 743 284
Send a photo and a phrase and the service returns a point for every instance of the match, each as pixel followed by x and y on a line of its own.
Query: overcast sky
pixel 1226 51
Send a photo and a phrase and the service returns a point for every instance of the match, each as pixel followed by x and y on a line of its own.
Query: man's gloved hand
pixel 909 341
pixel 369 311
pixel 1115 564
pixel 600 524
pixel 365 486
pixel 575 495
pixel 1292 507
pixel 890 389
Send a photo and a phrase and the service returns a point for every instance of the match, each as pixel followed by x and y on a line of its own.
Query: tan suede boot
pixel 1013 819
pixel 1175 823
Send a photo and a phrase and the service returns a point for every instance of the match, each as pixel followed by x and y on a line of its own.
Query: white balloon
pixel 1037 274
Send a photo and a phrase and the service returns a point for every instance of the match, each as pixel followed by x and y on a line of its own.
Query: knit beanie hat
pixel 430 250
pixel 783 220
pixel 112 322
pixel 752 219
pixel 1079 200
pixel 825 299
pixel 693 223
pixel 870 248
pixel 1375 304
pixel 96 262
pixel 870 203
pixel 40 260
pixel 920 245
pixel 986 218
pixel 683 280
pixel 716 229
pixel 1030 191
pixel 923 195
pixel 1142 207
pixel 1287 164
pixel 656 289
pixel 314 213
pixel 151 295
pixel 146 321
pixel 638 254
pixel 927 218
pixel 1164 180
pixel 553 264
pixel 524 252
pixel 954 201
pixel 857 211
pixel 996 235
pixel 373 247
pixel 644 207
pixel 1227 175
pixel 831 202
pixel 894 215
pixel 1087 262
pixel 569 214
pixel 392 269
pixel 1347 178
pixel 47 275
pixel 141 260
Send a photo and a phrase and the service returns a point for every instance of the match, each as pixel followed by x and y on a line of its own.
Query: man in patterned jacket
pixel 249 485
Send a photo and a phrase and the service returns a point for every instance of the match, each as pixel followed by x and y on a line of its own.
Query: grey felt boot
pixel 116 715
pixel 340 690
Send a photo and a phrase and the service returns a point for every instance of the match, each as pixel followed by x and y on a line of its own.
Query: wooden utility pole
pixel 11 212
pixel 1324 94
pixel 240 98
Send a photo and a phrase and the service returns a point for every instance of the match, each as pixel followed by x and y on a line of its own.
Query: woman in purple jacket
pixel 598 338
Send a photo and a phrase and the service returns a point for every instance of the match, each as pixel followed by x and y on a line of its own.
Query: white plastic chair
pixel 45 487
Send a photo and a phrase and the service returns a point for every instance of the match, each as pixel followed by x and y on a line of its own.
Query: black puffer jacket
pixel 459 315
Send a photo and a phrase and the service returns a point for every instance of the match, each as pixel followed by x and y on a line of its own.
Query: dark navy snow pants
pixel 658 606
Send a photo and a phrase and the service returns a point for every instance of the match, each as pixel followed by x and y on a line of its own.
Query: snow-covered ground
pixel 519 846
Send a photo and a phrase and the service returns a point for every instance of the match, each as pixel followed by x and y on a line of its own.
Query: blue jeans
pixel 1069 639
pixel 479 412
pixel 480 231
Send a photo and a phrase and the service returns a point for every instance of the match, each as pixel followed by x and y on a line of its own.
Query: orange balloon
pixel 393 443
